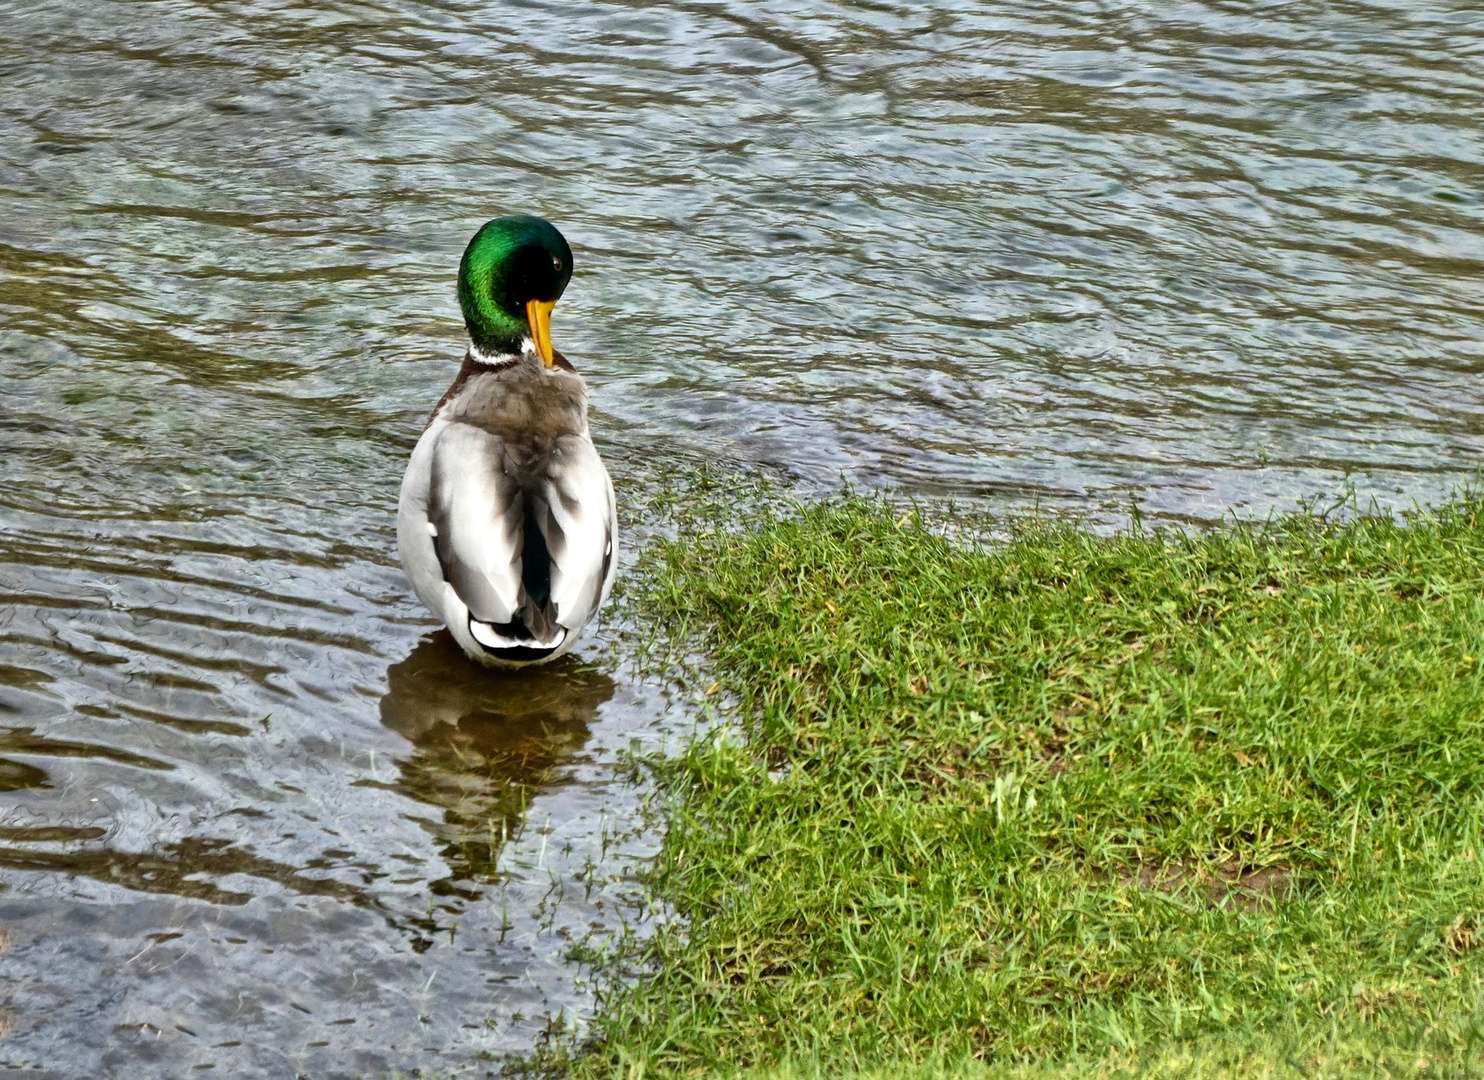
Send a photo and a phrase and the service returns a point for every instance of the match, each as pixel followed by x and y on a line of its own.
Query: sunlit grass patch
pixel 1068 795
pixel 1363 1058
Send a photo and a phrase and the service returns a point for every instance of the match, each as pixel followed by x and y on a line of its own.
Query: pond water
pixel 254 814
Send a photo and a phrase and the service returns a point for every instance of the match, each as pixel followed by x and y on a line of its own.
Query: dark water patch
pixel 17 775
pixel 173 869
pixel 50 834
pixel 12 675
pixel 27 741
pixel 180 723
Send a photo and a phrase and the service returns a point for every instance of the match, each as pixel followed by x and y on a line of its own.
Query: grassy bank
pixel 1070 799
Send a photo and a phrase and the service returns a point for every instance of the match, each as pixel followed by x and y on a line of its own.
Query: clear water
pixel 1205 256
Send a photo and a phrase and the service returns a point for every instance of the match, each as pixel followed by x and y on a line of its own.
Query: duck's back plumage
pixel 506 525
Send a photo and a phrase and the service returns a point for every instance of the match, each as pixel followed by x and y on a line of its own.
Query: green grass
pixel 1068 804
pixel 1195 1060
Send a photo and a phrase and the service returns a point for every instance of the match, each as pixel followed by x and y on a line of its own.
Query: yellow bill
pixel 538 315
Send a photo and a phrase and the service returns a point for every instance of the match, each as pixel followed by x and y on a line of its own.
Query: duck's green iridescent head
pixel 511 275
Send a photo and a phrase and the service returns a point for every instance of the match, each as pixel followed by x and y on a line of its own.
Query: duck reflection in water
pixel 486 742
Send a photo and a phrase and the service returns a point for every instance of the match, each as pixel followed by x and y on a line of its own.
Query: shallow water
pixel 1205 256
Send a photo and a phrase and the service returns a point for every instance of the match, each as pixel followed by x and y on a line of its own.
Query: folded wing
pixel 574 511
pixel 528 542
pixel 475 510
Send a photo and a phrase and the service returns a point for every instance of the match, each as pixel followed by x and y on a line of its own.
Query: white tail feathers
pixel 491 638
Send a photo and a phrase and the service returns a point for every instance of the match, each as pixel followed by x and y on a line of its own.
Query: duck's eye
pixel 556 264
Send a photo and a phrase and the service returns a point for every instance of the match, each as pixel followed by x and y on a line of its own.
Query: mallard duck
pixel 506 524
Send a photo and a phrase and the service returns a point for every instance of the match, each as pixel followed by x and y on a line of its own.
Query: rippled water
pixel 251 815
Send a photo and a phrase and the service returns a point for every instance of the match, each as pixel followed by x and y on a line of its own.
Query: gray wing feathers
pixel 477 511
pixel 578 527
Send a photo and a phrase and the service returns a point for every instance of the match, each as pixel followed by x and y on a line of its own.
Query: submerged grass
pixel 1174 802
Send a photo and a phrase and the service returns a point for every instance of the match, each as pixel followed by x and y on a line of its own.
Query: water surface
pixel 253 815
